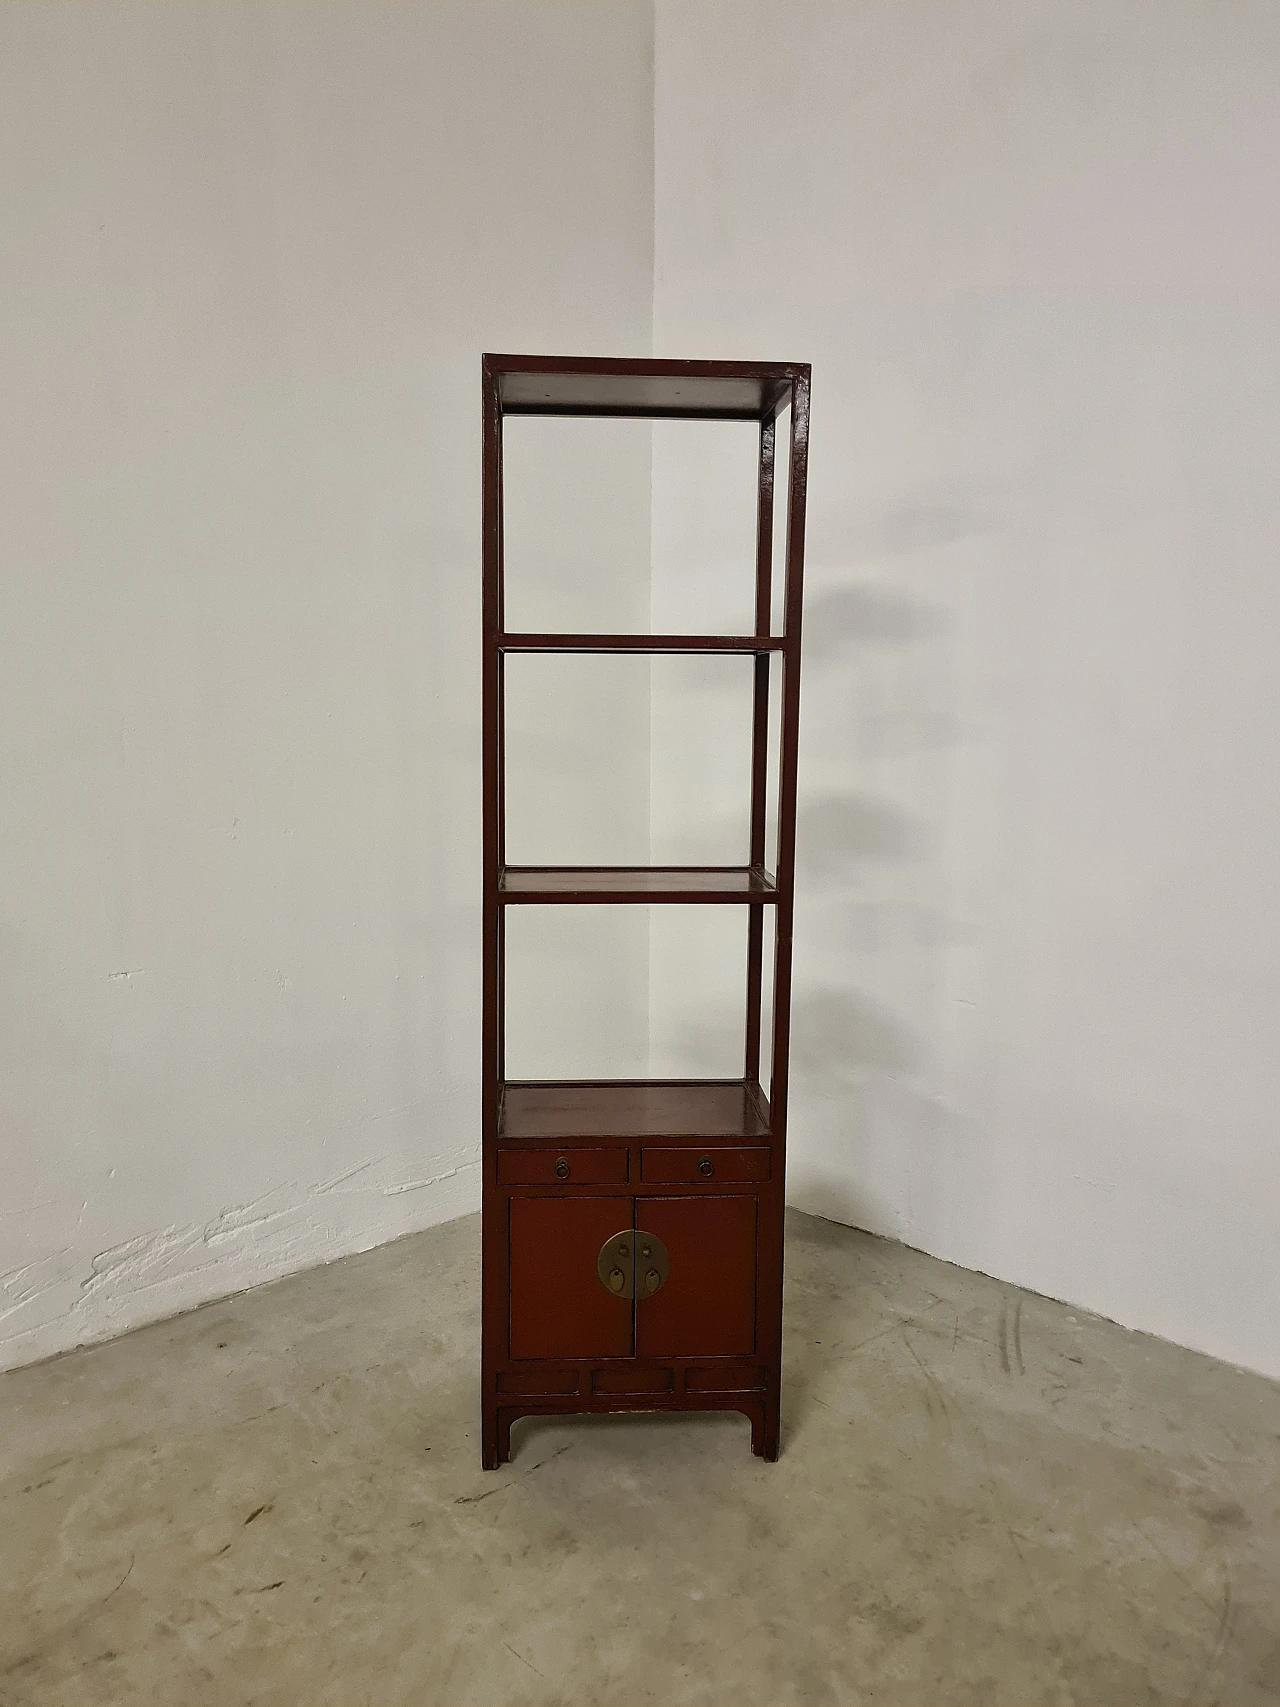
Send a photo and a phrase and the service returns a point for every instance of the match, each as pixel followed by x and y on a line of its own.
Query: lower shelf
pixel 634 1108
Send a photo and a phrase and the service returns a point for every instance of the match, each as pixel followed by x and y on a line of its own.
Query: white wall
pixel 702 580
pixel 1031 252
pixel 576 497
pixel 250 256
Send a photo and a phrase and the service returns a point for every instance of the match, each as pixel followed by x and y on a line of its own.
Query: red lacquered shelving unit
pixel 633 1228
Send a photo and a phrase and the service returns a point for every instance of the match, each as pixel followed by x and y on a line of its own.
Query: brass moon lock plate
pixel 633 1264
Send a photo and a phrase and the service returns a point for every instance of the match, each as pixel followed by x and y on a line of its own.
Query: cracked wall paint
pixel 59 1300
pixel 240 933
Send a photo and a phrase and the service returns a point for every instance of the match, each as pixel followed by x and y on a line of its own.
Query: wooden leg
pixel 489 1458
pixel 504 1437
pixel 772 1427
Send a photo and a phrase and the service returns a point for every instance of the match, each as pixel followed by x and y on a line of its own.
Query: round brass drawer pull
pixel 562 1168
pixel 706 1167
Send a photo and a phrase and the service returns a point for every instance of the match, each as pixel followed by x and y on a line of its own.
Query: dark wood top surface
pixel 596 385
pixel 633 1109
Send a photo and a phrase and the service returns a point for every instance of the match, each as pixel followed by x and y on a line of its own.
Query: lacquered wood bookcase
pixel 633 1229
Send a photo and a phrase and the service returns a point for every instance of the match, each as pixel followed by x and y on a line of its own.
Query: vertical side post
pixel 769 1306
pixel 790 743
pixel 760 739
pixel 500 764
pixel 493 1261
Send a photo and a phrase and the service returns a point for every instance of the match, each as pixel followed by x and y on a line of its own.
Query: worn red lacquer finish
pixel 687 1177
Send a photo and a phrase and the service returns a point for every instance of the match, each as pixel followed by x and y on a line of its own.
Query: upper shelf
pixel 658 390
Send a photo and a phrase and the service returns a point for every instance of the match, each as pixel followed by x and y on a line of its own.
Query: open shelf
pixel 641 643
pixel 646 388
pixel 597 883
pixel 634 1108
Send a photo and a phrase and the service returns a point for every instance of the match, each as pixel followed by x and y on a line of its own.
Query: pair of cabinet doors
pixel 705 1307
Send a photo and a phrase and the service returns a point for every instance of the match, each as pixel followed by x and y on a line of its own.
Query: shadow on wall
pixel 834 829
pixel 905 531
pixel 838 1036
pixel 876 922
pixel 863 614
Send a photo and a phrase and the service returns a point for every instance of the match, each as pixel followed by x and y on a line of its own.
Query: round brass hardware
pixel 656 1262
pixel 562 1168
pixel 616 1265
pixel 706 1167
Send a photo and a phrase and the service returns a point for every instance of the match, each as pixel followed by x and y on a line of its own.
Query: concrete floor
pixel 982 1496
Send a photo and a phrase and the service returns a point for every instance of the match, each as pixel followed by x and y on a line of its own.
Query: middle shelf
pixel 557 642
pixel 597 883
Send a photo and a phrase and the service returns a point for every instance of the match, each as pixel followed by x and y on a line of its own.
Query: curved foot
pixel 495 1447
pixel 764 1432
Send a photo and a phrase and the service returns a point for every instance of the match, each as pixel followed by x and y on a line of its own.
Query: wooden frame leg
pixel 765 1427
pixel 772 1427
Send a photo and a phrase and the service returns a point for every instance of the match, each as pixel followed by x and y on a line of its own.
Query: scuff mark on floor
pixel 533 1668
pixel 1017 1337
pixel 474 1499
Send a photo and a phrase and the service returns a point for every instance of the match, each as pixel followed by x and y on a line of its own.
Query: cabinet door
pixel 558 1306
pixel 707 1306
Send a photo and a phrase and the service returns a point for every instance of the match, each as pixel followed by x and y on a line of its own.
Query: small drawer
pixel 569 1166
pixel 714 1163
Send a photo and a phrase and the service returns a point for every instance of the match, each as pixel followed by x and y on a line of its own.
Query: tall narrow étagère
pixel 633 1228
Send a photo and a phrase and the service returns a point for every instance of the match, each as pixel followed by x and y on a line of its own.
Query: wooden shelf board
pixel 746 643
pixel 634 1108
pixel 644 387
pixel 636 884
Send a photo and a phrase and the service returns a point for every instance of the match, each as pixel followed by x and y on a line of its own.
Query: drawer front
pixel 569 1166
pixel 715 1163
